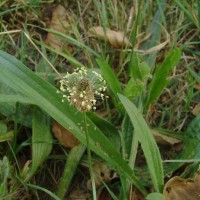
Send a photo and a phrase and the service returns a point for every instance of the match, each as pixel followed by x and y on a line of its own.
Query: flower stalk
pixel 82 89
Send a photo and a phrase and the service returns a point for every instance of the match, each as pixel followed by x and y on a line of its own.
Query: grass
pixel 154 84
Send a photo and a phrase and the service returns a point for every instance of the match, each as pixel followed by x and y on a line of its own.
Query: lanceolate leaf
pixel 160 80
pixel 41 139
pixel 43 94
pixel 111 79
pixel 4 173
pixel 155 31
pixel 147 141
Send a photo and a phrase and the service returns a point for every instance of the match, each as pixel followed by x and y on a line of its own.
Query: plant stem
pixel 89 158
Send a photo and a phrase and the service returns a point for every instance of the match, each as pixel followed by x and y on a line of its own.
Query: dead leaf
pixel 63 135
pixel 136 195
pixel 79 194
pixel 59 23
pixel 196 110
pixel 182 189
pixel 164 139
pixel 116 39
pixel 102 173
pixel 104 195
pixel 197 86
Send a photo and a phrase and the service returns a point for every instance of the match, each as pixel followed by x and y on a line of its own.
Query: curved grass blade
pixel 147 141
pixel 20 78
pixel 44 190
pixel 73 41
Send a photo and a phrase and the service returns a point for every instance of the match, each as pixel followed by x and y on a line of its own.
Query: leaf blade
pixel 147 141
pixel 44 95
pixel 160 80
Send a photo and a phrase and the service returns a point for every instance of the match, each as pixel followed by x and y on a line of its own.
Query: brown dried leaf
pixel 182 189
pixel 164 139
pixel 63 135
pixel 197 86
pixel 116 39
pixel 59 23
pixel 79 194
pixel 104 195
pixel 136 195
pixel 102 173
pixel 196 110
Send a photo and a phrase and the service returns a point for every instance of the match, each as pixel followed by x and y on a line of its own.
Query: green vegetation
pixel 148 54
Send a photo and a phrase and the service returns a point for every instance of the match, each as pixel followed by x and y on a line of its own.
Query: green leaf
pixel 155 196
pixel 43 94
pixel 4 172
pixel 134 88
pixel 127 135
pixel 107 128
pixel 138 68
pixel 9 108
pixel 6 136
pixel 191 149
pixel 41 140
pixel 72 162
pixel 155 31
pixel 3 127
pixel 149 146
pixel 111 79
pixel 36 187
pixel 160 80
pixel 139 72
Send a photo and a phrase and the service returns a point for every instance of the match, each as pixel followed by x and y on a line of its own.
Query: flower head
pixel 82 88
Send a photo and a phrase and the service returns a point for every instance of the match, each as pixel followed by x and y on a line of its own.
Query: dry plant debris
pixel 116 39
pixel 59 23
pixel 79 194
pixel 64 136
pixel 182 189
pixel 164 139
pixel 196 110
pixel 102 174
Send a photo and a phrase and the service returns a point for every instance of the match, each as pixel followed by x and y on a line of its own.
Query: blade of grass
pixel 188 10
pixel 73 41
pixel 36 187
pixel 147 141
pixel 44 95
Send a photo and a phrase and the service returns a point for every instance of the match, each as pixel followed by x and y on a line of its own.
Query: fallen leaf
pixel 164 139
pixel 197 86
pixel 79 194
pixel 102 173
pixel 63 135
pixel 196 110
pixel 59 23
pixel 116 39
pixel 104 195
pixel 182 189
pixel 136 195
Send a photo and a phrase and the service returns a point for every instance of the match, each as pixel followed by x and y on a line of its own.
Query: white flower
pixel 82 88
